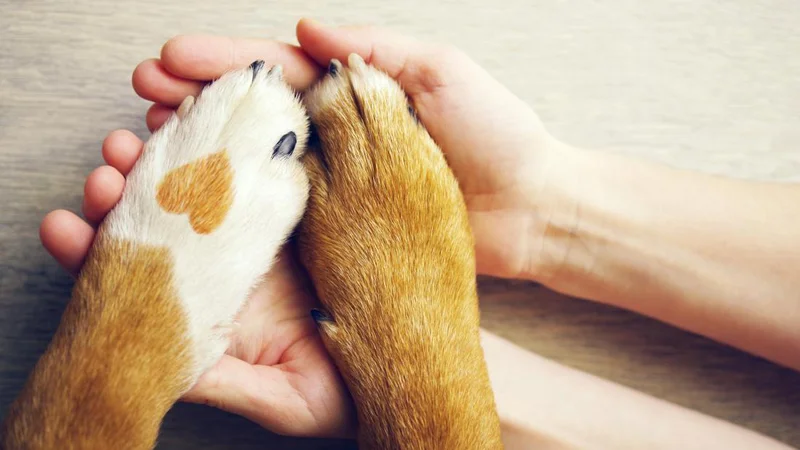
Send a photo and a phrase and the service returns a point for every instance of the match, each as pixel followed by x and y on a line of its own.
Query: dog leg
pixel 388 245
pixel 216 192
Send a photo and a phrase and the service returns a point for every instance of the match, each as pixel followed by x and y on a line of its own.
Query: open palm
pixel 276 371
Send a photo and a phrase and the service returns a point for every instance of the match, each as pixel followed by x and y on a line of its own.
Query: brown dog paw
pixel 387 242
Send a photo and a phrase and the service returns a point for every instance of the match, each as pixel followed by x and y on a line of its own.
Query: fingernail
pixel 313 22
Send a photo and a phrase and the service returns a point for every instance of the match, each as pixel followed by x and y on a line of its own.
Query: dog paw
pixel 387 243
pixel 386 229
pixel 217 191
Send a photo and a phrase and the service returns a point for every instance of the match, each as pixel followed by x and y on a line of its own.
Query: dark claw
pixel 285 145
pixel 334 67
pixel 320 316
pixel 313 137
pixel 256 67
pixel 413 113
pixel 276 71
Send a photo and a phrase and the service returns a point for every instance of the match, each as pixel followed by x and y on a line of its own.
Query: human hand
pixel 495 143
pixel 276 371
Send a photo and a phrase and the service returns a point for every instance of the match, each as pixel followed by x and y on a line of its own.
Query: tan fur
pixel 203 189
pixel 117 362
pixel 388 245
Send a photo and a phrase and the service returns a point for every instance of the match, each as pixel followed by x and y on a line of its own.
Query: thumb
pixel 262 394
pixel 418 66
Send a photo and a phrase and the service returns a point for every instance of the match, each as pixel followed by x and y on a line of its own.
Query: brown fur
pixel 203 189
pixel 117 363
pixel 388 245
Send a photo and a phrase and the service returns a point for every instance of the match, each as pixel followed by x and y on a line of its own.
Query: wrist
pixel 589 220
pixel 555 247
pixel 618 231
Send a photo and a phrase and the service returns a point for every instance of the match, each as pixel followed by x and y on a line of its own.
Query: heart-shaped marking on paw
pixel 203 189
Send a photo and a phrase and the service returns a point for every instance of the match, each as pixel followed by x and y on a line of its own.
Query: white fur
pixel 215 272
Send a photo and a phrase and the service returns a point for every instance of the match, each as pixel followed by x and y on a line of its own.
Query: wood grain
pixel 712 86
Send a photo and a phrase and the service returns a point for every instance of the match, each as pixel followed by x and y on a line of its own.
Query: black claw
pixel 413 113
pixel 256 66
pixel 275 70
pixel 320 316
pixel 285 145
pixel 313 136
pixel 314 145
pixel 334 67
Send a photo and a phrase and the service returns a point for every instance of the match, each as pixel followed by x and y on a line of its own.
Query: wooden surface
pixel 713 86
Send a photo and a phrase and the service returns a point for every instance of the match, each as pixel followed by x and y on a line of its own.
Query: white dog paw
pixel 220 186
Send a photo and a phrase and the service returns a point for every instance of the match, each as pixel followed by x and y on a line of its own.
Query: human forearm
pixel 546 405
pixel 711 255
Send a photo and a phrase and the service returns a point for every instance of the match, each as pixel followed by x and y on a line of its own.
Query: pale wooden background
pixel 713 86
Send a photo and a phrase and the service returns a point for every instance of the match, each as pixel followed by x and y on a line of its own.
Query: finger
pixel 67 238
pixel 121 149
pixel 157 115
pixel 152 82
pixel 102 191
pixel 417 66
pixel 204 57
pixel 387 51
